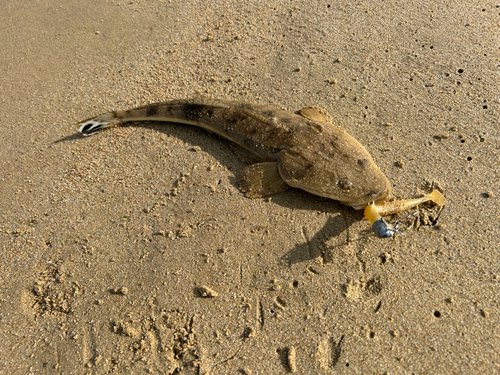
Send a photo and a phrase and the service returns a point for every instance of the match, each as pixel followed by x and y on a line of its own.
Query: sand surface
pixel 133 251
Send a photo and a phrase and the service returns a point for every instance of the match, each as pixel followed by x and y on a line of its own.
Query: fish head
pixel 334 165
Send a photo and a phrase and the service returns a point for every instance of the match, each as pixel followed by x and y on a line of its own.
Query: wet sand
pixel 133 251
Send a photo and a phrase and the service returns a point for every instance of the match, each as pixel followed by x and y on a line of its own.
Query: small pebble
pixel 206 292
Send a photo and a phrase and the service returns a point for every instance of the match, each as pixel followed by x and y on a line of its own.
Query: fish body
pixel 303 150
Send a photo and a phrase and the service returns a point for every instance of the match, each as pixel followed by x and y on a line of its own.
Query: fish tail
pixel 95 124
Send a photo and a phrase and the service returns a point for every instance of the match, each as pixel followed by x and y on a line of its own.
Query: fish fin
pixel 315 114
pixel 199 98
pixel 261 179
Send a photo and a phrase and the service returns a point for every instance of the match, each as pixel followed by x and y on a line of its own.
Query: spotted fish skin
pixel 303 151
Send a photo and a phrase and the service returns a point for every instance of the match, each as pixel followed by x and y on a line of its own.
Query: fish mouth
pixel 356 206
pixel 370 197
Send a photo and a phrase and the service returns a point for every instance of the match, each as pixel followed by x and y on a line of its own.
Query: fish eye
pixel 344 184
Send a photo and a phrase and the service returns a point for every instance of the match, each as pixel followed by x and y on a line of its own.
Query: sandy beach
pixel 133 250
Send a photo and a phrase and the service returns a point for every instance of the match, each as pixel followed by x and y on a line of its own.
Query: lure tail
pixel 437 198
pixel 95 124
pixel 374 212
pixel 388 208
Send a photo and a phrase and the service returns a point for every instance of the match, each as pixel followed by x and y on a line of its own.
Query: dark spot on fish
pixel 246 106
pixel 236 118
pixel 273 133
pixel 192 111
pixel 294 165
pixel 152 110
pixel 363 163
pixel 334 143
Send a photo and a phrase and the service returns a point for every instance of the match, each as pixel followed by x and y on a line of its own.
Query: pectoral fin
pixel 261 179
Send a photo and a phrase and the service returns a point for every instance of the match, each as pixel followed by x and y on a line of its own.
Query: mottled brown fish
pixel 304 151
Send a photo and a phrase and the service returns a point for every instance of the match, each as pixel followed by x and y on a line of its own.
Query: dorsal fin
pixel 315 114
